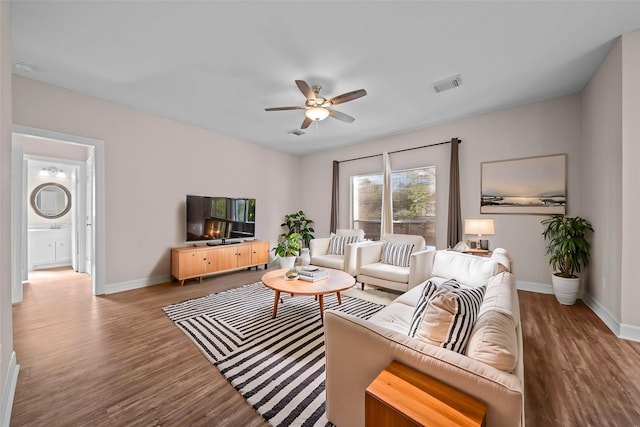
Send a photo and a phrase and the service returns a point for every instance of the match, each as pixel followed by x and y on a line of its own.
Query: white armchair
pixel 394 266
pixel 340 255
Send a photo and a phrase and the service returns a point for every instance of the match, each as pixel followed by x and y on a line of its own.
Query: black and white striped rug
pixel 276 364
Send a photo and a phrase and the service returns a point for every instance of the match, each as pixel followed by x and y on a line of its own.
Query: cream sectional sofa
pixel 491 368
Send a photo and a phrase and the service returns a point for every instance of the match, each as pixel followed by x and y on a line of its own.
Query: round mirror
pixel 51 200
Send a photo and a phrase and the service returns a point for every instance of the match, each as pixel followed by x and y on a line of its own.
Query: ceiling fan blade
pixel 283 108
pixel 349 96
pixel 305 89
pixel 341 116
pixel 306 122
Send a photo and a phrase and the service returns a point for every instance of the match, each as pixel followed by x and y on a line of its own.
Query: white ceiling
pixel 218 64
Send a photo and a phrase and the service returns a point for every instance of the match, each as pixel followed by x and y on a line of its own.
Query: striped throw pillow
pixel 396 254
pixel 430 289
pixel 337 244
pixel 449 318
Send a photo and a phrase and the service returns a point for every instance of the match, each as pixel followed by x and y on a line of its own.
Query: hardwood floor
pixel 577 372
pixel 118 360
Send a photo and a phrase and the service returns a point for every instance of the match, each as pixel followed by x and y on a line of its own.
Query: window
pixel 414 203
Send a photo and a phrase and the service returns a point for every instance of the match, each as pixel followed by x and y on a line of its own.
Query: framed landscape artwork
pixel 533 185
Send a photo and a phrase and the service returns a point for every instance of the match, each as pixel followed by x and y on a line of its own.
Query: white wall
pixel 611 131
pixel 602 179
pixel 630 294
pixel 151 163
pixel 543 128
pixel 8 368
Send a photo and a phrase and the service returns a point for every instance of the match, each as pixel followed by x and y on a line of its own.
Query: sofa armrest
pixel 350 370
pixel 368 254
pixel 351 254
pixel 319 246
pixel 420 265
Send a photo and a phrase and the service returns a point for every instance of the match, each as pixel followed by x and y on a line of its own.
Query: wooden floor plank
pixel 118 360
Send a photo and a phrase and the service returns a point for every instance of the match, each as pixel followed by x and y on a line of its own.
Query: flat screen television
pixel 219 218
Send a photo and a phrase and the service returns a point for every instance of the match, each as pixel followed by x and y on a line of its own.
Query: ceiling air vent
pixel 296 132
pixel 448 83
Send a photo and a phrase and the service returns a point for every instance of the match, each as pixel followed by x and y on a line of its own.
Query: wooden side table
pixel 401 396
pixel 478 252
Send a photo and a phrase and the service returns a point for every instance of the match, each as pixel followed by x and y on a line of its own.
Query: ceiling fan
pixel 318 108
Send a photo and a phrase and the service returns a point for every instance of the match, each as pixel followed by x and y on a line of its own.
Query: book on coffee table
pixel 313 278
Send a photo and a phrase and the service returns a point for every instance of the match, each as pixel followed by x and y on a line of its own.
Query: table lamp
pixel 479 227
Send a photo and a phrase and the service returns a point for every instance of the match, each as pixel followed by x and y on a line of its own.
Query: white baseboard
pixel 112 288
pixel 621 330
pixel 629 332
pixel 602 313
pixel 541 288
pixel 9 391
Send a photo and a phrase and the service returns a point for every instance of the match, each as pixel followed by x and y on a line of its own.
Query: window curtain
pixel 454 228
pixel 386 223
pixel 334 197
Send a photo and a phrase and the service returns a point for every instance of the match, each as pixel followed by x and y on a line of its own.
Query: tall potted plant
pixel 287 249
pixel 569 252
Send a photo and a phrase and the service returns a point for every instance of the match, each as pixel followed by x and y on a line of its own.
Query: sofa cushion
pixel 386 272
pixel 418 242
pixel 494 341
pixel 429 291
pixel 350 232
pixel 337 244
pixel 394 316
pixel 502 296
pixel 329 261
pixel 468 269
pixel 397 254
pixel 449 318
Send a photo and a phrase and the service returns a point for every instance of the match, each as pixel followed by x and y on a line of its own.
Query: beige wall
pixel 538 129
pixel 151 163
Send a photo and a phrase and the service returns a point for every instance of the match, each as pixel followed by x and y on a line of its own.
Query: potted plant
pixel 287 249
pixel 298 222
pixel 570 252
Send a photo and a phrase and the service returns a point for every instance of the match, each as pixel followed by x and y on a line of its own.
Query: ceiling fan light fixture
pixel 317 113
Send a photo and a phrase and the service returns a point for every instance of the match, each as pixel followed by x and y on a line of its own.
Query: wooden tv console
pixel 197 261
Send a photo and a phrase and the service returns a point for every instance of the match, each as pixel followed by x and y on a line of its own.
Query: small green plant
pixel 298 222
pixel 288 245
pixel 568 246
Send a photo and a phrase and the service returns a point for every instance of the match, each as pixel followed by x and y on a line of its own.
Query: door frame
pixel 18 224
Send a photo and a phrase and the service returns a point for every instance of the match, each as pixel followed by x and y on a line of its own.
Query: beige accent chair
pixel 370 269
pixel 319 247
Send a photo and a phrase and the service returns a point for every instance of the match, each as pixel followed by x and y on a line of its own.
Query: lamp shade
pixel 479 227
pixel 317 113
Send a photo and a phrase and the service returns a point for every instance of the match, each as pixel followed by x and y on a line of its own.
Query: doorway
pixel 31 145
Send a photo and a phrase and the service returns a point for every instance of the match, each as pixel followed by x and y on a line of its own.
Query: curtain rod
pixel 400 151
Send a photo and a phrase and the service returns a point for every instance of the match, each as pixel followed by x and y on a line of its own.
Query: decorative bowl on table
pixel 291 274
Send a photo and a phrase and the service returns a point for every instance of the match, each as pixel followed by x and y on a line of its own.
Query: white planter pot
pixel 565 289
pixel 287 262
